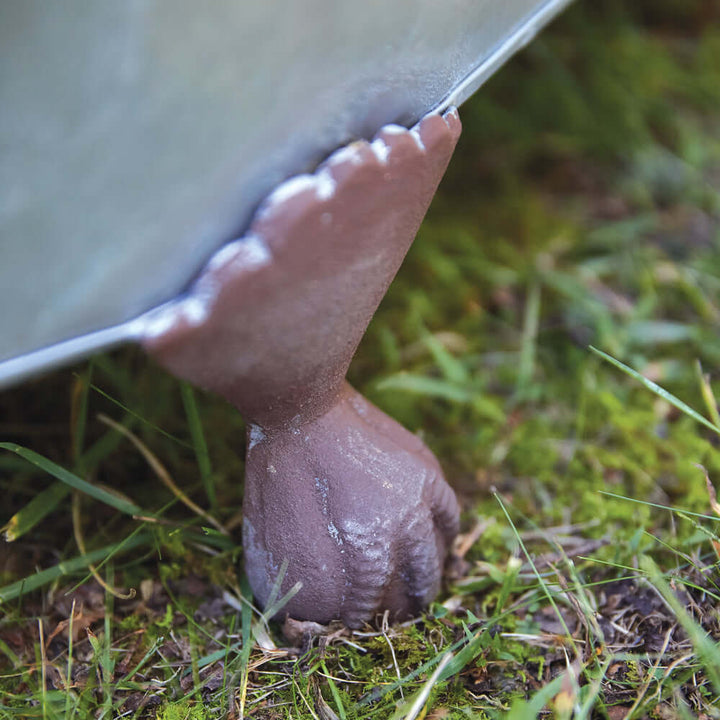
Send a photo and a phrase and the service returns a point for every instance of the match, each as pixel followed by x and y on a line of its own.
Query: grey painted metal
pixel 136 138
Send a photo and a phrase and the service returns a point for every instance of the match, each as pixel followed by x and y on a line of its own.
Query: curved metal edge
pixel 22 367
pixel 65 353
pixel 522 36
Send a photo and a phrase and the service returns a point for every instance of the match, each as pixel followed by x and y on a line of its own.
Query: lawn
pixel 554 336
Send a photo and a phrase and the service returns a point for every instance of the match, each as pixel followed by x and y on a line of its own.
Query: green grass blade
pixel 10 655
pixel 541 581
pixel 67 567
pixel 34 512
pixel 168 435
pixel 669 508
pixel 443 390
pixel 706 648
pixel 334 692
pixel 528 348
pixel 659 332
pixel 198 439
pixel 216 655
pixel 660 392
pixel 426 386
pixel 451 368
pixel 465 656
pixel 73 480
pixel 273 609
pixel 532 708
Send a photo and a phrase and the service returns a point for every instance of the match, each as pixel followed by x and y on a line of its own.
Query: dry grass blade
pixel 80 541
pixel 162 473
pixel 424 694
pixel 711 491
pixel 43 666
pixel 707 393
pixel 705 647
pixel 715 506
pixel 68 696
pixel 543 584
pixel 384 629
pixel 652 674
pixel 32 582
pixel 584 613
pixel 325 712
pixel 585 547
pixel 464 542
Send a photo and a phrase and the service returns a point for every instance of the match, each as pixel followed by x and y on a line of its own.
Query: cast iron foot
pixel 352 503
pixel 368 521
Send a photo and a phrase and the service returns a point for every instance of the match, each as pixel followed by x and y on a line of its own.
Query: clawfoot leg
pixel 366 523
pixel 353 504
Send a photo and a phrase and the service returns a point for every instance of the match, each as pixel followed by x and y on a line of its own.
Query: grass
pixel 581 208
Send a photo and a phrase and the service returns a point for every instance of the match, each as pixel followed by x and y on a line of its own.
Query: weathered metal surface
pixel 136 138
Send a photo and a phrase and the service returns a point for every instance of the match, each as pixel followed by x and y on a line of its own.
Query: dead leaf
pixel 298 632
pixel 82 620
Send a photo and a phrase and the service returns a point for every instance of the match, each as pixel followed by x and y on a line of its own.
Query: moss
pixel 183 710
